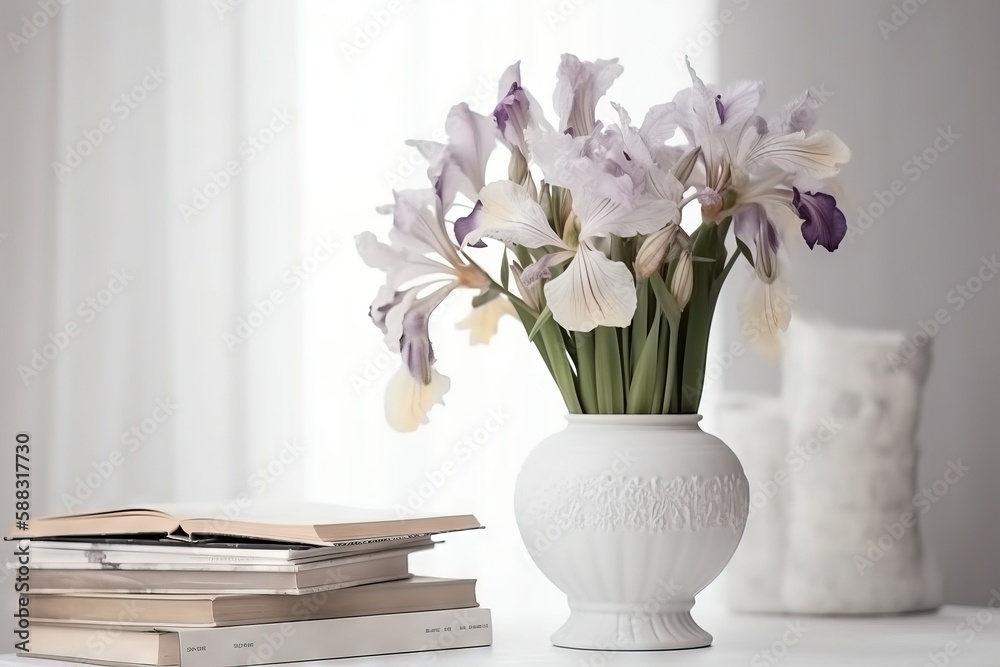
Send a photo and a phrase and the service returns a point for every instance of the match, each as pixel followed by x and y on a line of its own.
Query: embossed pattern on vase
pixel 650 505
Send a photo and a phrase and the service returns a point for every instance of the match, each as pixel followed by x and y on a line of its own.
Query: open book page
pixel 307 522
pixel 319 522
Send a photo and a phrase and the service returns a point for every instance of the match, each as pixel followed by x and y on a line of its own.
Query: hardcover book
pixel 165 553
pixel 177 611
pixel 272 579
pixel 241 645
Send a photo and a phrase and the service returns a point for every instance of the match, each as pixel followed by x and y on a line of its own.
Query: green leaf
pixel 672 312
pixel 669 404
pixel 661 365
pixel 553 353
pixel 625 345
pixel 665 300
pixel 543 318
pixel 484 297
pixel 505 271
pixel 586 371
pixel 561 370
pixel 745 249
pixel 642 389
pixel 640 322
pixel 607 363
pixel 698 323
pixel 522 254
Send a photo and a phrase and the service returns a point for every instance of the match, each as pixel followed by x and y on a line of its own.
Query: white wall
pixel 893 86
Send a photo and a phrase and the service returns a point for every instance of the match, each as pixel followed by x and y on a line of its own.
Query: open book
pixel 307 523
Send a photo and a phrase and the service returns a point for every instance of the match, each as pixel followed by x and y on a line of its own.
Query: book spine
pixel 335 638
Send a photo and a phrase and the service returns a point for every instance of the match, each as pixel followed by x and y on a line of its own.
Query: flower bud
pixel 685 165
pixel 654 249
pixel 532 296
pixel 517 168
pixel 682 283
pixel 766 264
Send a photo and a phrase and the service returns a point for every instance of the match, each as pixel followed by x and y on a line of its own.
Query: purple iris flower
pixel 823 222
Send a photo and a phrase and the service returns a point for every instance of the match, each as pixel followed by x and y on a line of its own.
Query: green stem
pixel 522 255
pixel 624 343
pixel 661 368
pixel 669 404
pixel 698 323
pixel 586 371
pixel 607 364
pixel 640 393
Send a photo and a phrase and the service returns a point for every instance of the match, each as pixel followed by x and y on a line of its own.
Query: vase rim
pixel 657 421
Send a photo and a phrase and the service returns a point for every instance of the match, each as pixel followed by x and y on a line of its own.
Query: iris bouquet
pixel 615 294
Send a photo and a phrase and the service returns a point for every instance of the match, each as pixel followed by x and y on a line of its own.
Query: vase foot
pixel 630 631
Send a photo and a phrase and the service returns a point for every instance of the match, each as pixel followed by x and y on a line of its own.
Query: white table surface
pixel 915 640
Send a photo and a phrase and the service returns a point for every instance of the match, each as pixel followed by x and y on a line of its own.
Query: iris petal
pixel 460 166
pixel 601 217
pixel 580 85
pixel 466 224
pixel 407 400
pixel 509 214
pixel 814 156
pixel 823 223
pixel 593 291
pixel 414 342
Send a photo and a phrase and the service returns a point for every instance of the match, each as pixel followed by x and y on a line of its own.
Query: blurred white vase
pixel 853 400
pixel 836 463
pixel 631 516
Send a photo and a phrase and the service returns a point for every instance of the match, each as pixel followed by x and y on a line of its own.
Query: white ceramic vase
pixel 631 516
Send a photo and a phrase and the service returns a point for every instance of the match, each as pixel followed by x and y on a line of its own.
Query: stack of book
pixel 160 586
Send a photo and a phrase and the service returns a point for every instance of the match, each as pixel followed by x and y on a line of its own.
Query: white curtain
pixel 329 92
pixel 151 182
